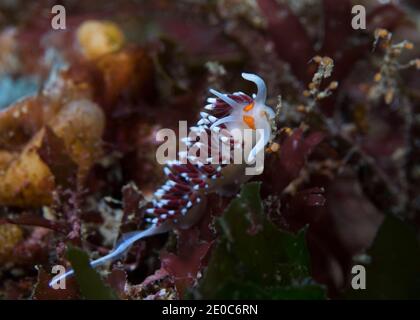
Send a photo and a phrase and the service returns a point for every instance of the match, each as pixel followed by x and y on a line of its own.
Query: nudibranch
pixel 179 203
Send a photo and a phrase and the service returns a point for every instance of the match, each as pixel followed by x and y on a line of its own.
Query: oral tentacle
pixel 257 148
pixel 223 121
pixel 261 143
pixel 225 98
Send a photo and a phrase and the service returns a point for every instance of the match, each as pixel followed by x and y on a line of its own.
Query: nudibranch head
pixel 246 112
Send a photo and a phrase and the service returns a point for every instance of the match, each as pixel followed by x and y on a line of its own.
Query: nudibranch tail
pixel 123 245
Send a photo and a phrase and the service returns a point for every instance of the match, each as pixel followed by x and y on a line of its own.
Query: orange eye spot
pixel 249 107
pixel 249 121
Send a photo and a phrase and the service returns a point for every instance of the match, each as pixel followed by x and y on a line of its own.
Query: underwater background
pixel 80 108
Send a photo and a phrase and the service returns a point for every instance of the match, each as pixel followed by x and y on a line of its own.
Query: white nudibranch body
pixel 180 202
